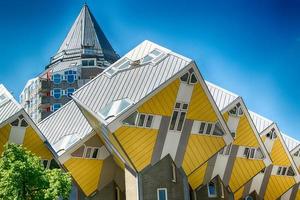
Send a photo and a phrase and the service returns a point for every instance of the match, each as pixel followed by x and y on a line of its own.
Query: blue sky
pixel 251 47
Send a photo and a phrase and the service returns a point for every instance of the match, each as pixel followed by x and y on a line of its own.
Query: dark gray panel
pixel 161 137
pixel 265 181
pixel 294 191
pixel 210 168
pixel 247 188
pixel 230 163
pixel 184 138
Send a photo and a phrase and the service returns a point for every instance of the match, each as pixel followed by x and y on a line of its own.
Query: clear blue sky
pixel 251 47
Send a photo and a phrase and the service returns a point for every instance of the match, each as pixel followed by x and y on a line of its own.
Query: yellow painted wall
pixel 138 144
pixel 33 142
pixel 199 149
pixel 86 172
pixel 196 178
pixel 243 170
pixel 277 186
pixel 278 154
pixel 239 193
pixel 163 102
pixel 298 195
pixel 245 135
pixel 200 107
pixel 4 135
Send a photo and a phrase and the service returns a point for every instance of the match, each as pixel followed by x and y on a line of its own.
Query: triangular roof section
pixel 8 105
pixel 267 159
pixel 86 33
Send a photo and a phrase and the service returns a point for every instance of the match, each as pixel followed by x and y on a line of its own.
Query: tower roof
pixel 86 33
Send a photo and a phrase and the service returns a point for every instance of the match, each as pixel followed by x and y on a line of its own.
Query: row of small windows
pixel 285 171
pixel 209 128
pixel 91 152
pixel 253 153
pixel 236 111
pixel 70 76
pixel 88 62
pixel 272 134
pixel 189 78
pixel 57 93
pixel 20 122
pixel 139 119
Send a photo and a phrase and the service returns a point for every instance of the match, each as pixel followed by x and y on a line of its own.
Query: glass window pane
pixel 218 130
pixel 208 129
pixel 88 152
pixel 202 126
pixel 130 120
pixel 147 59
pixel 84 63
pixel 278 170
pixel 149 121
pixel 141 120
pixel 162 195
pixel 124 65
pixel 212 189
pixel 185 77
pixel 173 120
pixel 95 153
pixel 283 170
pixel 193 79
pixel 177 105
pixel 181 120
pixel 91 62
pixel 184 106
pixel 246 152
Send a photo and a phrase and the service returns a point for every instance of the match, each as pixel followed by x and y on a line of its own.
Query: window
pixel 55 107
pixel 118 196
pixel 173 173
pixel 297 153
pixel 70 76
pixel 141 120
pixel 121 65
pixel 91 152
pixel 131 120
pixel 70 91
pixel 114 108
pixel 56 93
pixel 212 189
pixel 272 134
pixel 151 56
pixel 178 116
pixel 236 111
pixel 88 62
pixel 56 78
pixel 248 198
pixel 189 78
pixel 249 153
pixel 162 194
pixel 209 128
pixel 285 171
pixel 20 122
pixel 46 163
pixel 226 150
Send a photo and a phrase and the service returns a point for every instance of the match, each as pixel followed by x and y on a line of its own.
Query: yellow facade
pixel 33 142
pixel 298 195
pixel 278 154
pixel 243 170
pixel 138 144
pixel 245 135
pixel 239 193
pixel 4 135
pixel 199 149
pixel 86 172
pixel 200 108
pixel 163 102
pixel 196 178
pixel 277 186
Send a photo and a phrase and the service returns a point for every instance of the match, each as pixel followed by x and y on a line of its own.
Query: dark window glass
pixel 283 170
pixel 218 130
pixel 279 171
pixel 149 121
pixel 185 77
pixel 95 153
pixel 24 123
pixel 88 152
pixel 173 120
pixel 202 126
pixel 56 78
pixel 246 152
pixel 15 123
pixel 130 120
pixel 45 163
pixel 177 105
pixel 184 106
pixel 181 120
pixel 290 172
pixel 162 195
pixel 54 165
pixel 208 129
pixel 91 62
pixel 84 63
pixel 193 79
pixel 141 120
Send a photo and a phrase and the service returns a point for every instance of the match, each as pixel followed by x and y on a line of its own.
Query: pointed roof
pixel 86 33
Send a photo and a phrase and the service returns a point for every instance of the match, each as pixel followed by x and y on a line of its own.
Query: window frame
pixel 84 155
pixel 162 189
pixel 53 79
pixel 52 107
pixel 208 190
pixel 53 93
pixel 179 111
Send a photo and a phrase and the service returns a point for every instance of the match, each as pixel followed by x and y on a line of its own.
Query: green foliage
pixel 23 177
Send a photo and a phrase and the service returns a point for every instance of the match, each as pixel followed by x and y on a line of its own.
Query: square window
pixel 162 194
pixel 149 121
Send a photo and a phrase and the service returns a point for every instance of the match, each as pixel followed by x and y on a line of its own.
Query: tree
pixel 23 177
